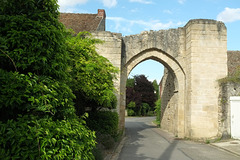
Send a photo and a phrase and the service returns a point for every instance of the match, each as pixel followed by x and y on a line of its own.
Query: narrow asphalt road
pixel 146 142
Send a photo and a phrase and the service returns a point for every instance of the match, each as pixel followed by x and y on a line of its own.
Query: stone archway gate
pixel 196 56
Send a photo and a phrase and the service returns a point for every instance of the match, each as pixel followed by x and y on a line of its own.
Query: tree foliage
pixel 158 111
pixel 42 70
pixel 32 138
pixel 36 95
pixel 32 38
pixel 130 108
pixel 142 94
pixel 156 88
pixel 92 74
pixel 130 82
pixel 33 60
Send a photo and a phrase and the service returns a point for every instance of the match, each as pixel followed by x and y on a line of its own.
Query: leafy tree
pixel 130 82
pixel 145 90
pixel 38 119
pixel 33 59
pixel 32 38
pixel 141 93
pixel 36 95
pixel 92 74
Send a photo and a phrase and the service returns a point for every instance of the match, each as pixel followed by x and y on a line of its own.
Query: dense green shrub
pixel 144 109
pixel 130 112
pixel 38 119
pixel 33 38
pixel 131 107
pixel 106 140
pixel 31 94
pixel 41 68
pixel 30 138
pixel 104 122
pixel 98 153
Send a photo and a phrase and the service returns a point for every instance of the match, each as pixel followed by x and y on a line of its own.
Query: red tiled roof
pixel 82 22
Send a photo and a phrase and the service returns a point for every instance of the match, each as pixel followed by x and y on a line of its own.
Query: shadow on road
pixel 168 152
pixel 142 147
pixel 146 142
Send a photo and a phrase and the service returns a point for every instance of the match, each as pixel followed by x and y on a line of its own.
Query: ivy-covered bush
pixel 31 138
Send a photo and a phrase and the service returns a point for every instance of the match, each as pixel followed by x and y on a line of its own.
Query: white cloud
pixel 109 3
pixel 70 5
pixel 229 15
pixel 181 1
pixel 65 3
pixel 167 11
pixel 142 1
pixel 123 25
pixel 158 25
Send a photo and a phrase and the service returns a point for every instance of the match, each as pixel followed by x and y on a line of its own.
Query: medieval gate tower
pixel 194 55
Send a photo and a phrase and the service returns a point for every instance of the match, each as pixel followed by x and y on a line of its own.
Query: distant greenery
pixel 130 108
pixel 47 79
pixel 130 82
pixel 156 88
pixel 158 111
pixel 140 96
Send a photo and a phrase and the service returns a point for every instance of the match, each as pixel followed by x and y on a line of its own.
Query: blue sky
pixel 134 16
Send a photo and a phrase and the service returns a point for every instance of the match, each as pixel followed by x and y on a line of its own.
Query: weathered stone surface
pixel 224 112
pixel 233 61
pixel 195 57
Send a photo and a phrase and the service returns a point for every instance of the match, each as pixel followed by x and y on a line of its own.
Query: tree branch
pixel 10 59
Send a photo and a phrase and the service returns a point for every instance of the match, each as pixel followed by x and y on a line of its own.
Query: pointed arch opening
pixel 173 88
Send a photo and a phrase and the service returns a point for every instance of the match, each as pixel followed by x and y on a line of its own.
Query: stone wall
pixel 228 89
pixel 195 56
pixel 168 102
pixel 166 47
pixel 206 56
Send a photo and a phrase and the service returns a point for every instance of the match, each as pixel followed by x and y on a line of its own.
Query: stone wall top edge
pixel 154 32
pixel 107 34
pixel 233 51
pixel 203 21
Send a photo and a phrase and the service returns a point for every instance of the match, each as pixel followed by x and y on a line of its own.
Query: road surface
pixel 146 142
